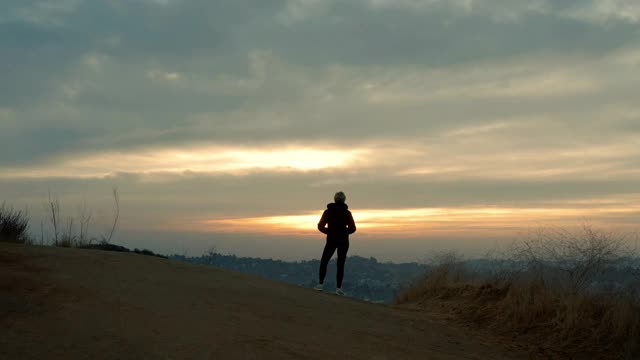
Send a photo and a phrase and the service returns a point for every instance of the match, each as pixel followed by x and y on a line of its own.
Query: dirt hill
pixel 86 304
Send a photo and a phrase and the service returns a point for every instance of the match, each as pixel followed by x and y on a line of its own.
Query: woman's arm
pixel 351 226
pixel 323 223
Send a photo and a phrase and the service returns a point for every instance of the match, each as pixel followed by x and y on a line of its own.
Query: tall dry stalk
pixel 53 206
pixel 116 199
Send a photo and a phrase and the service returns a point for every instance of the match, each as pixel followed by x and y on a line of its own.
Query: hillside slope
pixel 73 304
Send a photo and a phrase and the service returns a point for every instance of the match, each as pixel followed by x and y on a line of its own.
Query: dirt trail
pixel 84 304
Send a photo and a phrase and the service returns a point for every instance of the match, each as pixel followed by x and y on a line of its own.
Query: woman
pixel 337 223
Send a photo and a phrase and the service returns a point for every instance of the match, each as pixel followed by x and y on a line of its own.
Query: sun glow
pixel 423 221
pixel 200 160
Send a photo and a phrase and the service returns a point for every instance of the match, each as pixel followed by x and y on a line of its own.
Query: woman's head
pixel 340 197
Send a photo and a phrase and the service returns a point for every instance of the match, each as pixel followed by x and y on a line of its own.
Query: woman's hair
pixel 340 197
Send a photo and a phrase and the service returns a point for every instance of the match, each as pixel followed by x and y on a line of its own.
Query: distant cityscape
pixel 379 282
pixel 365 278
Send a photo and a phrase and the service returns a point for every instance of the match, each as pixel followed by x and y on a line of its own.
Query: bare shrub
pixel 570 259
pixel 211 255
pixel 211 251
pixel 444 268
pixel 503 267
pixel 544 296
pixel 14 225
pixel 447 266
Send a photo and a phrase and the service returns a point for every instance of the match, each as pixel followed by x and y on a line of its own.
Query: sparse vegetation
pixel 570 259
pixel 69 232
pixel 67 235
pixel 14 225
pixel 106 247
pixel 547 298
pixel 149 253
pixel 117 248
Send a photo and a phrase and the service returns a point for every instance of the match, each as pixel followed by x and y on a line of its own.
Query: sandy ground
pixel 85 304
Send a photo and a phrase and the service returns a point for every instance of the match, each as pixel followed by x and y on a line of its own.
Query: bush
pixel 570 259
pixel 105 246
pixel 544 298
pixel 14 225
pixel 149 253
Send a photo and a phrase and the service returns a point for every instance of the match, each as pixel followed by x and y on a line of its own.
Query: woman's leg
pixel 329 249
pixel 343 248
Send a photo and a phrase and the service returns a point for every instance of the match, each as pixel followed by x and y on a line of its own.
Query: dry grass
pixel 14 225
pixel 75 233
pixel 524 308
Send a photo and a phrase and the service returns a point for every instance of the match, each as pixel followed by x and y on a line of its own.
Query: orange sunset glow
pixel 424 222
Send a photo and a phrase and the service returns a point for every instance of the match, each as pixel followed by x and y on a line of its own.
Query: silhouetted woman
pixel 337 222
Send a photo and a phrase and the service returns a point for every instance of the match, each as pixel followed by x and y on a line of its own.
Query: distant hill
pixel 365 278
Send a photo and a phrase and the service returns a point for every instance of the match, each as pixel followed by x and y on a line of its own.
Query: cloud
pixel 415 104
pixel 605 11
pixel 153 163
pixel 423 222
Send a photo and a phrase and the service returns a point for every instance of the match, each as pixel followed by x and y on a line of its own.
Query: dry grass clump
pixel 68 232
pixel 61 231
pixel 569 323
pixel 545 299
pixel 74 233
pixel 14 225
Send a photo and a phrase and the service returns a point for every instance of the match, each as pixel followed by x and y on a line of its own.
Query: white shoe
pixel 339 292
pixel 319 287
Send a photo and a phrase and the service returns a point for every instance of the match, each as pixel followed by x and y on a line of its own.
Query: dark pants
pixel 343 246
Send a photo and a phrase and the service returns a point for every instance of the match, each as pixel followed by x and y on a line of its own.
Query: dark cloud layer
pixel 458 104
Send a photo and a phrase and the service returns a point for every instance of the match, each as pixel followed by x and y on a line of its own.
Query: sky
pixel 230 124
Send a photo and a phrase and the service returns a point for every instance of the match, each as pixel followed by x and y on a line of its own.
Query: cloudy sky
pixel 231 123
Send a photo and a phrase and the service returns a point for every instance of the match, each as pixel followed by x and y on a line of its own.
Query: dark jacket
pixel 337 222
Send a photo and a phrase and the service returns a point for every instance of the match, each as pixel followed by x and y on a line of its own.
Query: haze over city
pixel 230 124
